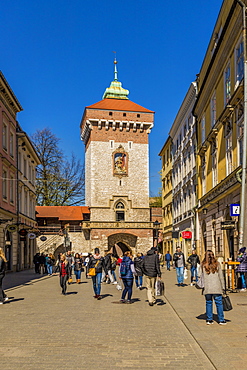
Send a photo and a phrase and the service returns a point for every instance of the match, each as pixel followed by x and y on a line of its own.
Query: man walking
pixel 151 268
pixel 168 259
pixel 193 260
pixel 179 261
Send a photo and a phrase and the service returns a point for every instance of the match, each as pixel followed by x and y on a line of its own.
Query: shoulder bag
pixel 92 270
pixel 227 306
pixel 200 282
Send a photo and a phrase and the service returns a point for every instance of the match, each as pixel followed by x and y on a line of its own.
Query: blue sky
pixel 57 57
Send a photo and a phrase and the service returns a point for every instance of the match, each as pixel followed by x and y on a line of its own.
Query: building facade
pixel 184 181
pixel 16 212
pixel 166 176
pixel 219 112
pixel 115 132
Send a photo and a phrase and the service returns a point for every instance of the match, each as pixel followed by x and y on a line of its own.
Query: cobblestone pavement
pixel 41 329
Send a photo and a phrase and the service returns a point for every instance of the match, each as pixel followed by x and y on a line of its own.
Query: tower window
pixel 130 144
pixel 119 216
pixel 110 113
pixel 120 205
pixel 111 144
pixel 124 114
pixel 138 116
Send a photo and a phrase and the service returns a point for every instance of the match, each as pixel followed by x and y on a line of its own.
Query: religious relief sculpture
pixel 120 162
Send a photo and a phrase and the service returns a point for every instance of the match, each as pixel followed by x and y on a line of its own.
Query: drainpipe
pixel 243 188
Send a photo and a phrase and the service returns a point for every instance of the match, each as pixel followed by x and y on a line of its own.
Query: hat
pixel 242 250
pixel 96 250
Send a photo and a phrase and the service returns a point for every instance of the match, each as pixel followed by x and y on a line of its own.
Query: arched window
pixel 120 215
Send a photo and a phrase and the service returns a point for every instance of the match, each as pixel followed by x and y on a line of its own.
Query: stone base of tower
pixel 135 240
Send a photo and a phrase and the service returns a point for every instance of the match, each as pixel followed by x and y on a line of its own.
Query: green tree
pixel 59 181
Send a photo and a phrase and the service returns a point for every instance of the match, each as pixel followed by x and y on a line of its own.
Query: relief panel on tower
pixel 120 162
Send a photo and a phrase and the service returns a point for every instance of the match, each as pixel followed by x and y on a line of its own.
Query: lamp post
pixel 156 228
pixel 243 188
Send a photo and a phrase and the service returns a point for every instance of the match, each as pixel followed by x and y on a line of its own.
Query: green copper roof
pixel 115 91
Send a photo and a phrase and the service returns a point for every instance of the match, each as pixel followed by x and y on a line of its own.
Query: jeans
pixel 128 284
pixel 193 271
pixel 63 282
pixel 2 294
pixel 77 274
pixel 49 269
pixel 168 265
pixel 151 281
pixel 180 274
pixel 97 283
pixel 219 306
pixel 243 280
pixel 114 275
pixel 138 280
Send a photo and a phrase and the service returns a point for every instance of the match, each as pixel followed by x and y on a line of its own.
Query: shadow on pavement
pixel 71 293
pixel 106 295
pixel 203 316
pixel 160 302
pixel 15 279
pixel 14 300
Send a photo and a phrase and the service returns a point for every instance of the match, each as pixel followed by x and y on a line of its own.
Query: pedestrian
pixel 50 261
pixel 151 268
pixel 36 262
pixel 138 261
pixel 63 269
pixel 113 268
pixel 77 267
pixel 107 272
pixel 180 265
pixel 42 264
pixel 70 259
pixel 242 268
pixel 127 272
pixel 3 263
pixel 214 287
pixel 168 259
pixel 96 262
pixel 193 260
pixel 86 263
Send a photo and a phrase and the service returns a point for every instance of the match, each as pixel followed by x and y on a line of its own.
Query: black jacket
pixel 176 257
pixel 151 264
pixel 138 263
pixel 101 265
pixel 107 262
pixel 2 266
pixel 193 260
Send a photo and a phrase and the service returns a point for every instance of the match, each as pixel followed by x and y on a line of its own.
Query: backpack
pixel 123 268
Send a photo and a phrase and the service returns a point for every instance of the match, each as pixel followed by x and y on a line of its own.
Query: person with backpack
pixel 95 267
pixel 127 272
pixel 151 268
pixel 50 261
pixel 138 260
pixel 168 259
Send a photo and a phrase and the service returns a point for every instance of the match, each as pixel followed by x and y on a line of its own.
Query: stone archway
pixel 58 250
pixel 124 241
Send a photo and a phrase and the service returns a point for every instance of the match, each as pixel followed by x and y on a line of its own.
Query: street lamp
pixel 156 228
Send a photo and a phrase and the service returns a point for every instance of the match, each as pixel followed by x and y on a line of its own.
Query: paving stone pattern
pixel 43 330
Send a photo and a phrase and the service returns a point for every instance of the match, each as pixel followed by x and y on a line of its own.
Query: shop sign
pixel 186 234
pixel 228 225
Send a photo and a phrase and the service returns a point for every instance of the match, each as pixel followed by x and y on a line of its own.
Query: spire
pixel 115 91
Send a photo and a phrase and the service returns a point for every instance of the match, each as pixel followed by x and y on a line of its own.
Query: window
pixel 138 116
pixel 11 189
pixel 240 133
pixel 110 113
pixel 214 163
pixel 25 167
pixel 130 144
pixel 29 173
pixel 203 129
pixel 203 168
pixel 19 161
pixel 112 144
pixel 228 148
pixel 120 212
pixel 25 202
pixel 227 84
pixel 124 114
pixel 213 110
pixel 185 130
pixel 11 144
pixel 4 136
pixel 190 120
pixel 5 184
pixel 239 62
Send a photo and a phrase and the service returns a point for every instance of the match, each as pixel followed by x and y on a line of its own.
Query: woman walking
pixel 77 267
pixel 242 268
pixel 213 287
pixel 3 261
pixel 63 268
pixel 138 261
pixel 127 272
pixel 95 267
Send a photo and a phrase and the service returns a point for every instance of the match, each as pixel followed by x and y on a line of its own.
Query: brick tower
pixel 115 132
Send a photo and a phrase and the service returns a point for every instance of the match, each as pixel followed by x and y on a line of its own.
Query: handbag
pixel 159 288
pixel 92 270
pixel 200 282
pixel 227 306
pixel 185 274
